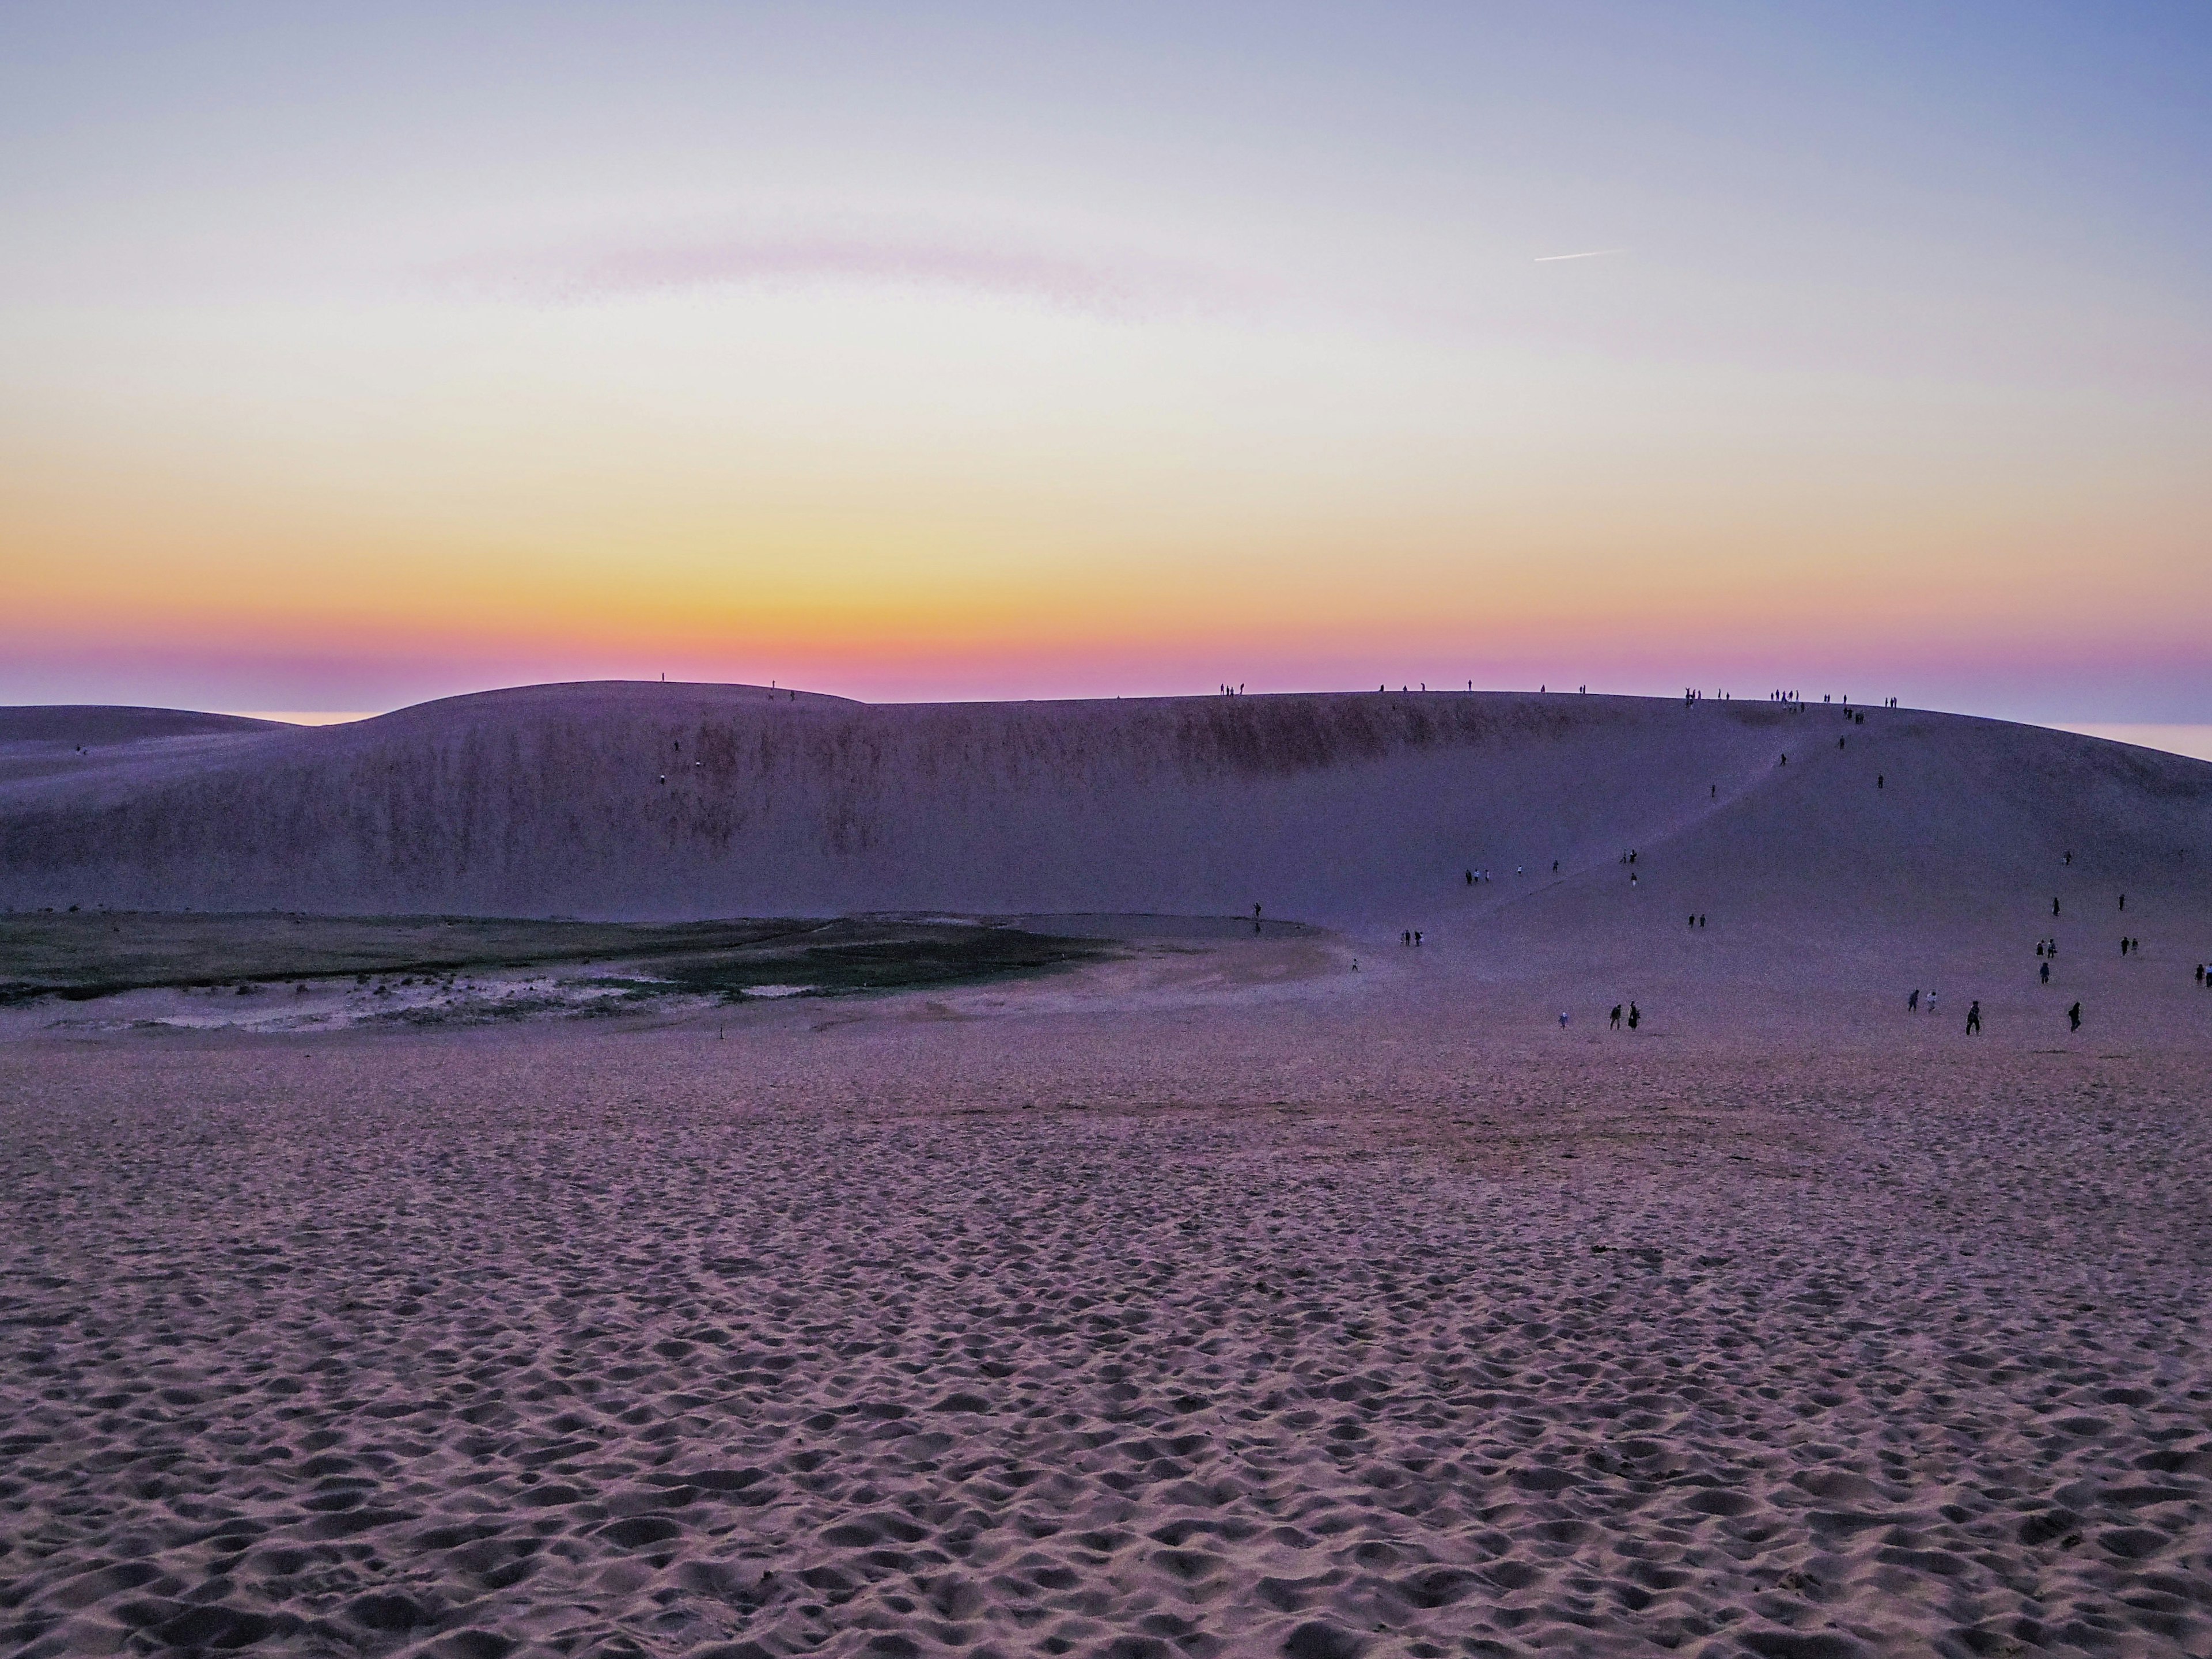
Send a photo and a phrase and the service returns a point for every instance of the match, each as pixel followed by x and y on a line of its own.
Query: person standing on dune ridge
pixel 1974 1019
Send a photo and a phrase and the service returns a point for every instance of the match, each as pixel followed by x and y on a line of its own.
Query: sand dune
pixel 662 802
pixel 1214 1298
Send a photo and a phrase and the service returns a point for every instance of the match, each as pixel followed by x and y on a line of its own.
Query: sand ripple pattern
pixel 658 1370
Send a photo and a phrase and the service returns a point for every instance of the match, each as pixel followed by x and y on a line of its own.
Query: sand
pixel 1202 1326
pixel 648 802
pixel 1221 1298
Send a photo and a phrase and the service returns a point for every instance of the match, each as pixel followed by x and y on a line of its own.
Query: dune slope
pixel 647 801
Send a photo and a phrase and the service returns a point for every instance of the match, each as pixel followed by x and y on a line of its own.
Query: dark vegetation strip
pixel 79 958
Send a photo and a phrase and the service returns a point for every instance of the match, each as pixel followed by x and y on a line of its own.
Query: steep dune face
pixel 626 800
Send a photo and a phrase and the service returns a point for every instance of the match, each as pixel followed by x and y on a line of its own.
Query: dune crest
pixel 650 801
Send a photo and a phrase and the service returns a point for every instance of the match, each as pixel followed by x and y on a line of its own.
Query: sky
pixel 355 355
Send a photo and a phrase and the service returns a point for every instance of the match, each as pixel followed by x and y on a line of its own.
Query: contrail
pixel 1594 253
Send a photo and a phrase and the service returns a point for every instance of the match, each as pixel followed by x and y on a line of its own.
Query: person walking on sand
pixel 2073 1016
pixel 1616 1017
pixel 1563 1019
pixel 1912 1002
pixel 2046 971
pixel 1974 1020
pixel 1635 1016
pixel 1931 1002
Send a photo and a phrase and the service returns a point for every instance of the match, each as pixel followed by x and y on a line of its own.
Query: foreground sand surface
pixel 1215 1319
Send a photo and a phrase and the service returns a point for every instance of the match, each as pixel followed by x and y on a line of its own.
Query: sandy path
pixel 1170 1333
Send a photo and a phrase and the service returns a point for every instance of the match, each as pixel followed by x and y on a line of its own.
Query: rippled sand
pixel 1272 1327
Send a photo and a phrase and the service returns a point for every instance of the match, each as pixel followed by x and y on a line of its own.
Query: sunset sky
pixel 350 357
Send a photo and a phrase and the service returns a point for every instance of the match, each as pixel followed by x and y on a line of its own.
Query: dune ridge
pixel 647 801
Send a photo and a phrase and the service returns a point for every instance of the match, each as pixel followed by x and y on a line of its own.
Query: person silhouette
pixel 1974 1020
pixel 2074 1017
pixel 2046 972
pixel 1635 1016
pixel 1616 1017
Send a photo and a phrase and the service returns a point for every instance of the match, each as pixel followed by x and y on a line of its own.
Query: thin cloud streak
pixel 1118 288
pixel 1594 253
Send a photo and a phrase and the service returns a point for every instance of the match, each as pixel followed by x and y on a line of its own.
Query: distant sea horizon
pixel 2195 741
